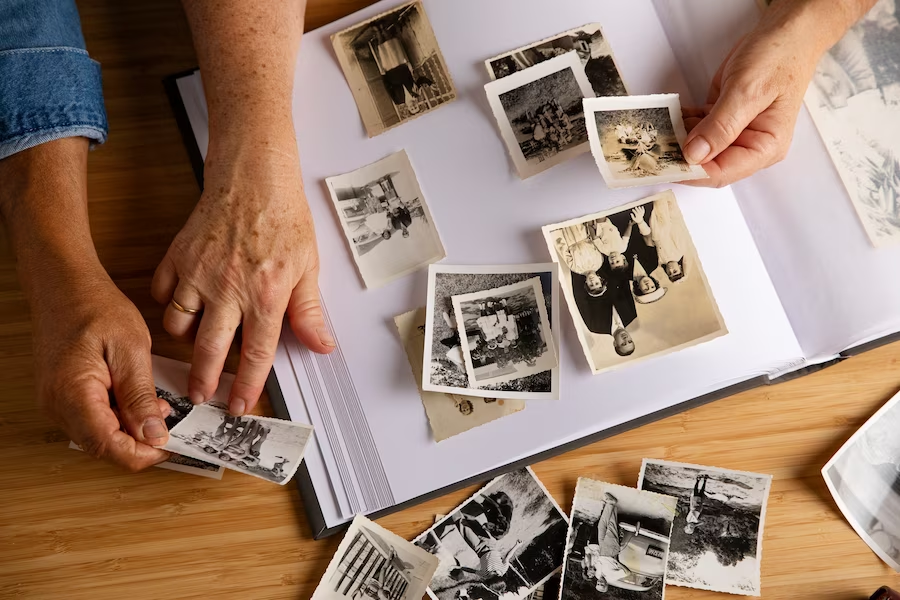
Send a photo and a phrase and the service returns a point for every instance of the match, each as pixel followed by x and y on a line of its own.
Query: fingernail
pixel 154 429
pixel 196 398
pixel 325 337
pixel 697 150
pixel 237 407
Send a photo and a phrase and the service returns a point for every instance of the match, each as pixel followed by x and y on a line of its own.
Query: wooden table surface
pixel 74 528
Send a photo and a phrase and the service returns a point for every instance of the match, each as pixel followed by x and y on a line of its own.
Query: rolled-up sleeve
pixel 49 87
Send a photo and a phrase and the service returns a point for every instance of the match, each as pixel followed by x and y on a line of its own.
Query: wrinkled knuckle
pixel 726 128
pixel 308 308
pixel 95 446
pixel 268 295
pixel 257 355
pixel 203 382
pixel 212 346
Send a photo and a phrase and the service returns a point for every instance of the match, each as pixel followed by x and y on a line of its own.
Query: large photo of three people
pixel 634 282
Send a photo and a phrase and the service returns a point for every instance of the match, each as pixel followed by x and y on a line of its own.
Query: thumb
pixel 735 109
pixel 307 318
pixel 135 392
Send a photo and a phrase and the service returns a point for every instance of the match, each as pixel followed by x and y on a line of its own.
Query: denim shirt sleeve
pixel 49 86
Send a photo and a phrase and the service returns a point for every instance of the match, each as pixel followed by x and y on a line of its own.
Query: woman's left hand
pixel 247 255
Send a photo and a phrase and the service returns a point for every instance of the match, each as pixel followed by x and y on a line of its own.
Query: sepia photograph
pixel 394 67
pixel 855 103
pixel 373 563
pixel 448 414
pixel 444 364
pixel 638 140
pixel 592 47
pixel 717 535
pixel 386 220
pixel 507 333
pixel 503 542
pixel 634 283
pixel 267 448
pixel 540 114
pixel 864 479
pixel 617 543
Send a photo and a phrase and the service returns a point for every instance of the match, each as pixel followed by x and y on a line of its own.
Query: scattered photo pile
pixel 617 544
pixel 373 564
pixel 394 67
pixel 448 414
pixel 864 478
pixel 717 537
pixel 634 283
pixel 637 140
pixel 505 541
pixel 385 219
pixel 490 332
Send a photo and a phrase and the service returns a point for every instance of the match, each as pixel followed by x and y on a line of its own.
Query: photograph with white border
pixel 386 220
pixel 444 367
pixel 507 333
pixel 718 532
pixel 864 478
pixel 588 41
pixel 504 542
pixel 372 563
pixel 637 140
pixel 617 543
pixel 634 283
pixel 540 113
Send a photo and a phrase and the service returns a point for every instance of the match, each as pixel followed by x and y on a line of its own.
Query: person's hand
pixel 89 339
pixel 246 255
pixel 637 215
pixel 753 104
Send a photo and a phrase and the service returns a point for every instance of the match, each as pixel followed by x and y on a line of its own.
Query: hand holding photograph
pixel 448 414
pixel 503 542
pixel 386 220
pixel 394 67
pixel 717 535
pixel 637 140
pixel 540 114
pixel 373 563
pixel 617 543
pixel 634 283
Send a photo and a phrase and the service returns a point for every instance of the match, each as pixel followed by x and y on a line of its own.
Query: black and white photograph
pixel 373 563
pixel 444 364
pixel 540 113
pixel 617 543
pixel 394 67
pixel 634 283
pixel 864 479
pixel 717 536
pixel 267 448
pixel 592 47
pixel 503 542
pixel 386 220
pixel 637 140
pixel 507 333
pixel 855 103
pixel 448 414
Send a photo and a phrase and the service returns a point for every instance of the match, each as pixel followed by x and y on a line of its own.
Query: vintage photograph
pixel 507 333
pixel 617 543
pixel 182 464
pixel 634 283
pixel 864 478
pixel 637 140
pixel 855 103
pixel 540 114
pixel 717 536
pixel 448 414
pixel 394 67
pixel 592 47
pixel 386 220
pixel 444 365
pixel 267 448
pixel 373 563
pixel 503 542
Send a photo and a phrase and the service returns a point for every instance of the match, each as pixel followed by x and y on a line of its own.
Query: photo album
pixel 515 262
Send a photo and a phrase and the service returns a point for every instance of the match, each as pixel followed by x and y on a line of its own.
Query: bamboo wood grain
pixel 74 528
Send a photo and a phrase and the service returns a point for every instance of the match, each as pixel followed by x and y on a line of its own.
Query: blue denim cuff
pixel 48 94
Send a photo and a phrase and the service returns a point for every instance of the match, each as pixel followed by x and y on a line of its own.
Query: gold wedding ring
pixel 180 308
